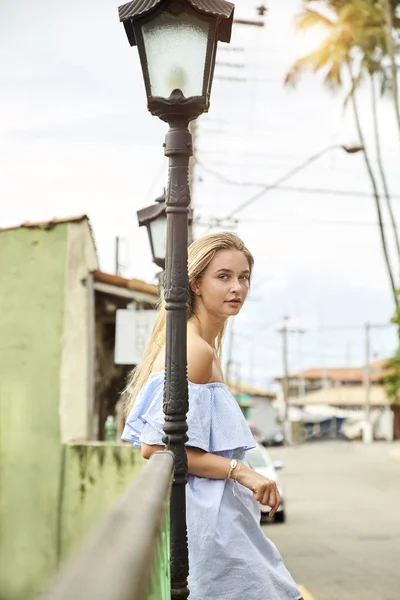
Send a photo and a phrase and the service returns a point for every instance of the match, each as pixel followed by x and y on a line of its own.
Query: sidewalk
pixel 395 453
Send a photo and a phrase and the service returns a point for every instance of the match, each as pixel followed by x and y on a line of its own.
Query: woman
pixel 229 556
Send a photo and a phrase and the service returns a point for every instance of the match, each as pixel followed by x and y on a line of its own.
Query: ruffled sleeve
pixel 215 421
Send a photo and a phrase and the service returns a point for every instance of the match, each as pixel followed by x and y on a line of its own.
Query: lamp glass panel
pixel 158 229
pixel 176 51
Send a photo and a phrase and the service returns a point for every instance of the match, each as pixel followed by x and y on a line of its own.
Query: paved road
pixel 342 536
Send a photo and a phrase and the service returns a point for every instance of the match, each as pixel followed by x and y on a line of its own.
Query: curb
pixel 306 594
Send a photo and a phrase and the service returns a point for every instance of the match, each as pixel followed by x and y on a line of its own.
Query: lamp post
pixel 177 43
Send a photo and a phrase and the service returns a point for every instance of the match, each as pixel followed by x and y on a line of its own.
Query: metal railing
pixel 127 556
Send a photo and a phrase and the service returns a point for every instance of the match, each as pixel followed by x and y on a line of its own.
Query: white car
pixel 261 462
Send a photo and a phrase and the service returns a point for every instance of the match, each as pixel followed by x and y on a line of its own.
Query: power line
pixel 228 179
pixel 313 222
pixel 277 162
pixel 339 328
pixel 307 190
pixel 287 188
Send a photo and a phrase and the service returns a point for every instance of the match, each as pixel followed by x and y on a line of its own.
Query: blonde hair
pixel 200 254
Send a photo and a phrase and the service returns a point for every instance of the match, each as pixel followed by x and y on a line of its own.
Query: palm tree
pixel 371 41
pixel 370 35
pixel 334 58
pixel 371 65
pixel 380 165
pixel 391 24
pixel 381 19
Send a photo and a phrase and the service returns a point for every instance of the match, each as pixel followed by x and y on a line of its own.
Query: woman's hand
pixel 264 490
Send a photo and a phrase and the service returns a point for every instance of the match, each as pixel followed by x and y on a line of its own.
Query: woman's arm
pixel 211 466
pixel 200 357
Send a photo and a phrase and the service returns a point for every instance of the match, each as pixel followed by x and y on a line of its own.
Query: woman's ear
pixel 195 287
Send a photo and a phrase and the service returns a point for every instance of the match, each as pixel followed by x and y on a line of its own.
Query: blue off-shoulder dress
pixel 229 556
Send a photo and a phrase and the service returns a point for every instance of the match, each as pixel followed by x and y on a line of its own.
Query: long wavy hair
pixel 201 253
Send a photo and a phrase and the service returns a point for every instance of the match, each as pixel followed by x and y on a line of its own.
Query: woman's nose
pixel 235 285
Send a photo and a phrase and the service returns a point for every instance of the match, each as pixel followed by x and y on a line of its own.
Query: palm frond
pixel 309 18
pixel 333 77
pixel 334 5
pixel 314 61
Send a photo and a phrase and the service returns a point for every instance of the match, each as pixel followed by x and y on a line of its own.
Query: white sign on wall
pixel 132 333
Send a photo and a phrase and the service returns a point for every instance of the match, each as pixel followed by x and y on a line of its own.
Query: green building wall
pixel 32 276
pixel 50 495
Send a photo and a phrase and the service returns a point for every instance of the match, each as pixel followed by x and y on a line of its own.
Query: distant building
pixel 258 407
pixel 312 380
pixel 340 387
pixel 334 400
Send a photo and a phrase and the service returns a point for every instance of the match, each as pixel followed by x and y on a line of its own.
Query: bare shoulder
pixel 200 358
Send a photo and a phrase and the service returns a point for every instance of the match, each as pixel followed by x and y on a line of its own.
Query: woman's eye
pixel 246 277
pixel 223 276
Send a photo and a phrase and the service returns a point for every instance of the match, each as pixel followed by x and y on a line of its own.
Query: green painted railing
pixel 128 556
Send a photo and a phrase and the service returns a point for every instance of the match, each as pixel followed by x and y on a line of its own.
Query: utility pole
pixel 285 379
pixel 285 359
pixel 302 382
pixel 117 240
pixel 252 358
pixel 284 331
pixel 367 437
pixel 229 362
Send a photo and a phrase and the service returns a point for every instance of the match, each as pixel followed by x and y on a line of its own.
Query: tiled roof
pixel 51 223
pixel 343 395
pixel 342 374
pixel 132 284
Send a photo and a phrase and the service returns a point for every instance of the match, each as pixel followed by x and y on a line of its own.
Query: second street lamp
pixel 154 218
pixel 177 43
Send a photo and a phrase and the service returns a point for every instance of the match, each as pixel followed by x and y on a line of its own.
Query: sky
pixel 76 137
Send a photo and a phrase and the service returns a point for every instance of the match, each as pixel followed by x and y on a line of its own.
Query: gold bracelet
pixel 237 472
pixel 232 466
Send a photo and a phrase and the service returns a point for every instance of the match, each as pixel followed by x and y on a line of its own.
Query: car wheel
pixel 280 517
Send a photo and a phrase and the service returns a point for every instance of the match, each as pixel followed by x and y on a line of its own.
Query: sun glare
pixel 305 42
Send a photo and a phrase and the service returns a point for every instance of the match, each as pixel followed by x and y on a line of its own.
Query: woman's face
pixel 224 285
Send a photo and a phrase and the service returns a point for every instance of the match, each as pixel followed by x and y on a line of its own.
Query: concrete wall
pixel 32 275
pixel 77 365
pixel 47 520
pixel 94 476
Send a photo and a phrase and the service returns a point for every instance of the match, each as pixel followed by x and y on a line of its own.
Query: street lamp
pixel 177 42
pixel 154 218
